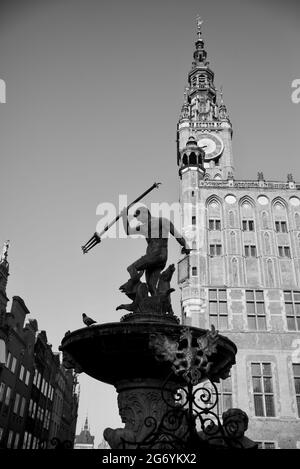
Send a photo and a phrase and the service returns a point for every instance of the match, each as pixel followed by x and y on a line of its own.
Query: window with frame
pixel 16 404
pixel 7 396
pixel 27 377
pixel 214 224
pixel 2 387
pixel 10 438
pixel 29 440
pixel 25 440
pixel 263 394
pixel 296 371
pixel 250 250
pixel 255 306
pixel 248 225
pixel 7 364
pixel 193 220
pixel 194 271
pixel 292 309
pixel 16 442
pixel 224 395
pixel 284 251
pixel 218 312
pixel 13 365
pixel 33 411
pixel 22 371
pixel 280 226
pixel 266 444
pixel 22 407
pixel 215 250
pixel 39 380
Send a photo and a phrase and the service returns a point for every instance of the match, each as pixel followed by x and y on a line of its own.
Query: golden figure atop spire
pixel 199 24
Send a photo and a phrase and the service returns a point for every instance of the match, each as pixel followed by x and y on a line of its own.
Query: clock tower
pixel 204 116
pixel 243 272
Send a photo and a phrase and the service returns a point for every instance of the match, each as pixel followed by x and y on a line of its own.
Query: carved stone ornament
pixel 146 416
pixel 190 357
pixel 69 363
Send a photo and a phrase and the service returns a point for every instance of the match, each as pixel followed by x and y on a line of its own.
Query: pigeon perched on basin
pixel 87 321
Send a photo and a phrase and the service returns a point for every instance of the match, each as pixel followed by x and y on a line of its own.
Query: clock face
pixel 213 146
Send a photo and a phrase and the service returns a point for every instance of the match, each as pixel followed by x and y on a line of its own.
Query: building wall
pixel 28 384
pixel 268 271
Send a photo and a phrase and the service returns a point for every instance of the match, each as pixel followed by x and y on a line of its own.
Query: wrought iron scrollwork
pixel 191 419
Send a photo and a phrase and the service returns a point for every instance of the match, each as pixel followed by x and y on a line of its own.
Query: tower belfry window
pixel 248 225
pixel 215 250
pixel 281 226
pixel 250 250
pixel 284 251
pixel 214 224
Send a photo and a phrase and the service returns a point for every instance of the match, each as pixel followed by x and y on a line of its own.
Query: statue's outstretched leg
pixel 152 276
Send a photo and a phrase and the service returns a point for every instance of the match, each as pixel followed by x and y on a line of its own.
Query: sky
pixel 94 92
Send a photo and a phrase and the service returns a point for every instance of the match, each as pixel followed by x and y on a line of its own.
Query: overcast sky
pixel 94 91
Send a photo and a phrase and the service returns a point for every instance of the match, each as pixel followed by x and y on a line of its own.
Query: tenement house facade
pixel 243 273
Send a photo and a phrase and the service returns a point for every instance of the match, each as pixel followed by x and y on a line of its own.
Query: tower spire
pixel 199 21
pixel 4 273
pixel 205 116
pixel 200 53
pixel 4 254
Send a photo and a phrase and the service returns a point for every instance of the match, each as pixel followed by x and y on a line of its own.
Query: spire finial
pixel 4 251
pixel 199 24
pixel 221 94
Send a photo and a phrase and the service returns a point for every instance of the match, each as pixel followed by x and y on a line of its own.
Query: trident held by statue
pixel 96 238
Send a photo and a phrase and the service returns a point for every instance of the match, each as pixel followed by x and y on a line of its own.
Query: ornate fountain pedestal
pixel 154 365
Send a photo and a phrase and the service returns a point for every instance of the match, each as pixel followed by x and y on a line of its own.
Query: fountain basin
pixel 113 352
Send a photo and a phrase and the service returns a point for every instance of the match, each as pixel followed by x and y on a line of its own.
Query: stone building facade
pixel 30 380
pixel 243 273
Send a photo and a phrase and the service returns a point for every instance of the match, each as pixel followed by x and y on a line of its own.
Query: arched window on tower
pixel 193 159
pixel 185 160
